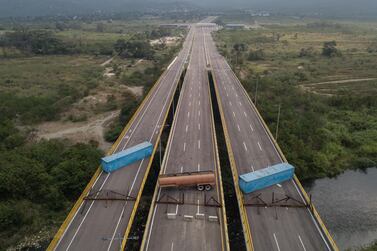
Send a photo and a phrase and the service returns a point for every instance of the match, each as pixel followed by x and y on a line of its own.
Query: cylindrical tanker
pixel 203 180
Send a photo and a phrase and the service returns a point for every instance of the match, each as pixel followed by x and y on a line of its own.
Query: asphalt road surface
pixel 191 147
pixel 272 228
pixel 100 225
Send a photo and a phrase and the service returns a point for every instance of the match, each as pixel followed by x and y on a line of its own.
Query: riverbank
pixel 348 206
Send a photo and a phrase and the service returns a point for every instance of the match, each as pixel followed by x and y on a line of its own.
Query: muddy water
pixel 348 205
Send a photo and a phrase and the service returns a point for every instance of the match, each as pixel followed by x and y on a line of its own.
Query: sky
pixel 53 7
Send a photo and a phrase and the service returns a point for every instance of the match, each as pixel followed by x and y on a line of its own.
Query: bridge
pixel 277 218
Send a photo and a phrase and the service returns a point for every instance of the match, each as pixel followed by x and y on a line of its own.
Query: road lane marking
pixel 230 103
pixel 227 94
pixel 199 144
pixel 238 126
pixel 293 182
pixel 188 114
pixel 199 113
pixel 184 146
pixel 86 214
pixel 172 246
pixel 252 167
pixel 155 209
pixel 199 126
pixel 276 241
pixel 124 207
pixel 299 237
pixel 186 128
pixel 244 145
pixel 198 167
pixel 239 102
pixel 234 115
pixel 259 146
pixel 199 102
pixel 181 169
pixel 251 127
pixel 244 113
pixel 117 148
pixel 172 63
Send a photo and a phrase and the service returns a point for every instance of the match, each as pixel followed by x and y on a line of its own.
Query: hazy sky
pixel 53 7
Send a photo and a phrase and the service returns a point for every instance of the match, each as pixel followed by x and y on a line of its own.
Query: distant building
pixel 235 26
pixel 177 25
pixel 260 14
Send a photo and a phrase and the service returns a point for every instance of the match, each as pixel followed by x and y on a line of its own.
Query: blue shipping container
pixel 266 177
pixel 126 157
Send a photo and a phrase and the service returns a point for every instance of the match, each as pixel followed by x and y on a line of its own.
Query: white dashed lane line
pixel 244 145
pixel 276 241
pixel 259 146
pixel 302 243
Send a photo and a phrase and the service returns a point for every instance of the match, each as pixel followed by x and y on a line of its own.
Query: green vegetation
pixel 39 88
pixel 372 247
pixel 39 182
pixel 54 72
pixel 324 128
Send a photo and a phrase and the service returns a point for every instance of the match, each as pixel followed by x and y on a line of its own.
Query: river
pixel 348 205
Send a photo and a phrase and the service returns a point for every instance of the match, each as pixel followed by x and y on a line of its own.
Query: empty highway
pixel 252 148
pixel 192 225
pixel 100 224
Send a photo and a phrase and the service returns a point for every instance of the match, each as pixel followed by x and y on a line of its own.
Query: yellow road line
pixel 124 241
pixel 217 161
pixel 307 199
pixel 244 218
pixel 79 201
pixel 155 193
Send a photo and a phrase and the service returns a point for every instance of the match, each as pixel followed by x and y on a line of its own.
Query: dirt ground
pixel 311 87
pixel 85 131
pixel 91 120
pixel 87 119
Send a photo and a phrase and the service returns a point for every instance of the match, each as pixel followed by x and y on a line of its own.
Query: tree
pixel 306 52
pixel 256 55
pixel 329 49
pixel 239 48
pixel 37 41
pixel 134 48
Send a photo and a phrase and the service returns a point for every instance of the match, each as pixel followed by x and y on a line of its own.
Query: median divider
pixel 155 193
pixel 244 219
pixel 218 171
pixel 296 180
pixel 133 213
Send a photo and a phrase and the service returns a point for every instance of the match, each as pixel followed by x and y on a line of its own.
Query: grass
pixel 35 89
pixel 324 128
pixel 355 62
pixel 87 37
pixel 45 76
pixel 356 88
